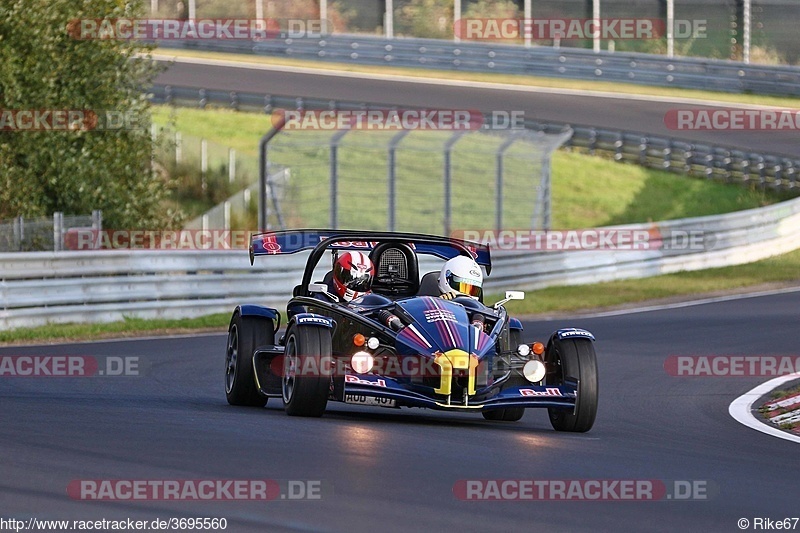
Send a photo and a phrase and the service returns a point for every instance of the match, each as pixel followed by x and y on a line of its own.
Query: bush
pixel 43 67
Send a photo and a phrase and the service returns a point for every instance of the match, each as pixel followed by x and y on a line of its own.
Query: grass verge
pixel 781 269
pixel 587 191
pixel 129 327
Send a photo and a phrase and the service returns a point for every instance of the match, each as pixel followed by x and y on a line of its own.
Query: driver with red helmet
pixel 352 275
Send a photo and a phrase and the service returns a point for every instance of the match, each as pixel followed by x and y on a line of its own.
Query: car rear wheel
pixel 307 370
pixel 573 358
pixel 244 335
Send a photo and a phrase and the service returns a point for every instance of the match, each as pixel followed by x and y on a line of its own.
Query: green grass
pixel 513 79
pixel 587 191
pixel 127 327
pixel 783 268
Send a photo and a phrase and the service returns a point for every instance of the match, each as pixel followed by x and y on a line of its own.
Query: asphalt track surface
pixel 387 470
pixel 622 113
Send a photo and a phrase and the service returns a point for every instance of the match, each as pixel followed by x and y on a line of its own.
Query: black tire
pixel 245 334
pixel 307 395
pixel 574 358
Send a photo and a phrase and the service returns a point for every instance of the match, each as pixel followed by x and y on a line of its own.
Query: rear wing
pixel 293 241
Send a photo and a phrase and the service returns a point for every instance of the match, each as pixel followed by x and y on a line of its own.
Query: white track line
pixel 452 83
pixel 741 408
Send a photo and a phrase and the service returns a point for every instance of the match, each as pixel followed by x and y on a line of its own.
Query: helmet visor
pixel 464 285
pixel 356 279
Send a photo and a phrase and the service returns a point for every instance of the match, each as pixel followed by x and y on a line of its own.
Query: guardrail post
pixel 596 32
pixel 97 220
pixel 670 28
pixel 456 25
pixel 263 162
pixel 58 228
pixel 546 212
pixel 526 8
pixel 203 164
pixel 448 179
pixel 391 162
pixel 178 147
pixel 19 232
pixel 231 165
pixel 498 205
pixel 746 22
pixel 388 19
pixel 334 179
pixel 226 215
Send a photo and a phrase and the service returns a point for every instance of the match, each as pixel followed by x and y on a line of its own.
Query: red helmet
pixel 352 275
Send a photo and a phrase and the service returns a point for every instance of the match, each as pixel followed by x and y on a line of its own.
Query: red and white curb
pixel 742 408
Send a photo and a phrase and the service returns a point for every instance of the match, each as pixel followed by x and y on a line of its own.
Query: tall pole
pixel 596 19
pixel 527 25
pixel 260 9
pixel 670 28
pixel 747 21
pixel 323 16
pixel 456 20
pixel 388 19
pixel 192 9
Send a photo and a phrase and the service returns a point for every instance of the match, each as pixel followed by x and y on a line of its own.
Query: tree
pixel 44 67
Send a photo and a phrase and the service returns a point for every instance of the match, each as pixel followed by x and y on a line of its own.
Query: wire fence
pixel 415 181
pixel 44 233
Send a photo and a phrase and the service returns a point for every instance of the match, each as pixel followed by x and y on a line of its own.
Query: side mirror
pixel 317 287
pixel 322 288
pixel 510 295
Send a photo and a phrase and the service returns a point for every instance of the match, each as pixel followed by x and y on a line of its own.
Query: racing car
pixel 402 344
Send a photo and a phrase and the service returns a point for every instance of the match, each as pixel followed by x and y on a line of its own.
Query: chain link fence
pixel 415 181
pixel 45 233
pixel 720 24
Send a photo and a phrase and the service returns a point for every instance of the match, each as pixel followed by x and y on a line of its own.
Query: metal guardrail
pixel 723 163
pixel 575 63
pixel 37 288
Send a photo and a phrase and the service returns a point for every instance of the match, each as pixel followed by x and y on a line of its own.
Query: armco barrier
pixel 43 287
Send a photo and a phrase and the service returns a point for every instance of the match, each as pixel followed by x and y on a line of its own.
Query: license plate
pixel 369 400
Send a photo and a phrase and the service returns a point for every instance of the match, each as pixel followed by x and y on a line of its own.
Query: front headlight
pixel 534 371
pixel 362 362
